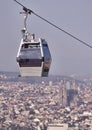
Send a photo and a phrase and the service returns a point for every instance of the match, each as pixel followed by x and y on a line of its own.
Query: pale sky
pixel 68 55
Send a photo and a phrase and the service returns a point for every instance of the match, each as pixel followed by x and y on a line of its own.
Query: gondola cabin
pixel 34 58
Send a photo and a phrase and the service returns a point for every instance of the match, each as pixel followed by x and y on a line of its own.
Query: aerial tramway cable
pixel 69 34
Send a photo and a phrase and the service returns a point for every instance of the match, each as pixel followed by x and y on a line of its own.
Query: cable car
pixel 33 58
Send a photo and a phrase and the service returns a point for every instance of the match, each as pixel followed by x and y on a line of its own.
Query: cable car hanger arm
pixel 69 34
pixel 24 8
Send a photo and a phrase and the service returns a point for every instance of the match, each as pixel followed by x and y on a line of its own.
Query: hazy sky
pixel 68 55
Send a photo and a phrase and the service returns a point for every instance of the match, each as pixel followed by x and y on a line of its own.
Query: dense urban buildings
pixel 51 103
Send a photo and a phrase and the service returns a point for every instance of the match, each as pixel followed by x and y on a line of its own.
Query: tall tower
pixel 64 94
pixel 60 92
pixel 73 85
pixel 68 86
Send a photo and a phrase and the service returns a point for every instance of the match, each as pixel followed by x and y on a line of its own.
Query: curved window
pixel 31 51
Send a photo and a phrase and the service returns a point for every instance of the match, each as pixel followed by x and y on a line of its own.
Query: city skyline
pixel 68 55
pixel 64 104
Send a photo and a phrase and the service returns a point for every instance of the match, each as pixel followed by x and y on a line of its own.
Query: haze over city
pixel 68 55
